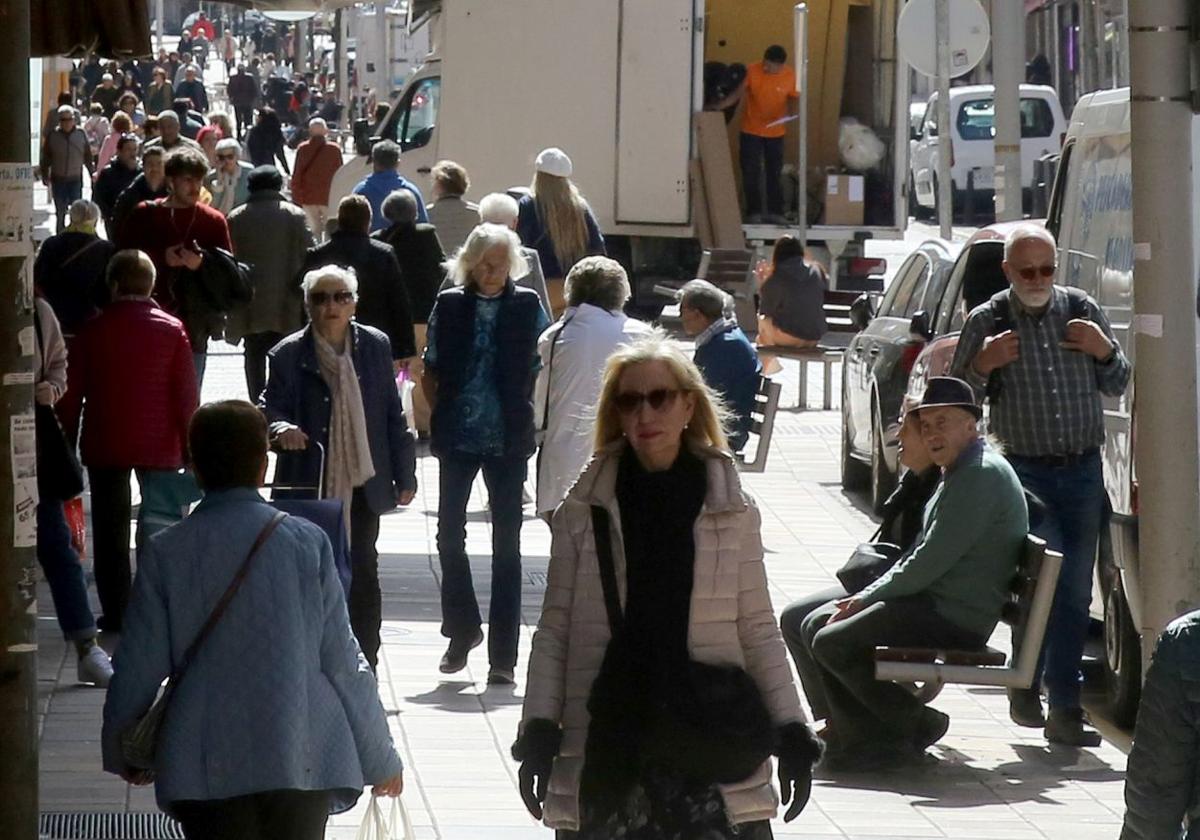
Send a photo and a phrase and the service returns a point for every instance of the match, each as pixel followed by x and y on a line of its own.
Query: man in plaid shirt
pixel 1044 354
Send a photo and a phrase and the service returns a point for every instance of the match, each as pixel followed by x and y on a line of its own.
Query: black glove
pixel 536 748
pixel 799 749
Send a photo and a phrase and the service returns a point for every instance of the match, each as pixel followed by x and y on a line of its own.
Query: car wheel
pixel 882 480
pixel 1122 657
pixel 854 472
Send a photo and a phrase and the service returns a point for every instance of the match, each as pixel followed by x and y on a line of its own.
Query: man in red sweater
pixel 317 161
pixel 132 367
pixel 174 231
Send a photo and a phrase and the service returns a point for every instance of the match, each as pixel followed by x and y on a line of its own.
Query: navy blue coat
pixel 731 367
pixel 535 234
pixel 297 395
pixel 518 325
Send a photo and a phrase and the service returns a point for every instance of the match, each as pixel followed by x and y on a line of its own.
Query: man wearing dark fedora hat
pixel 947 593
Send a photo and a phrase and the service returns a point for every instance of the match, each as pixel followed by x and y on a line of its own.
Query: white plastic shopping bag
pixel 395 826
pixel 406 387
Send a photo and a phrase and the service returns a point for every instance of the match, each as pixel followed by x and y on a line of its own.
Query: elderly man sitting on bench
pixel 726 358
pixel 947 593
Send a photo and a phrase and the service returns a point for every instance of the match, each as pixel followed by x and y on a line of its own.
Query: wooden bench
pixel 1027 611
pixel 828 352
pixel 729 269
pixel 762 424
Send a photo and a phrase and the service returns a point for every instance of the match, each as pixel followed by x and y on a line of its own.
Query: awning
pixel 112 29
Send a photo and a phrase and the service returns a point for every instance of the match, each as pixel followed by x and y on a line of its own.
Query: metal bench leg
pixel 802 397
pixel 828 385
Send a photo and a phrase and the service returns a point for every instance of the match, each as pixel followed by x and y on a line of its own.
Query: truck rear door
pixel 654 111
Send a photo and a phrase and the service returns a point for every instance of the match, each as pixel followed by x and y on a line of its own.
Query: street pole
pixel 1008 69
pixel 945 191
pixel 18 609
pixel 1166 446
pixel 160 17
pixel 339 61
pixel 801 30
pixel 384 93
pixel 301 41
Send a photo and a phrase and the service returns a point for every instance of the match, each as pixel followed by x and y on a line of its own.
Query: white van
pixel 972 146
pixel 1091 213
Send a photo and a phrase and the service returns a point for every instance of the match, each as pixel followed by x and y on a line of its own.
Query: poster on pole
pixel 16 209
pixel 22 451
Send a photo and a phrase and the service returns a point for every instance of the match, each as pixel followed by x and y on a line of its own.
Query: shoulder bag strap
pixel 79 252
pixel 608 571
pixel 219 610
pixel 550 372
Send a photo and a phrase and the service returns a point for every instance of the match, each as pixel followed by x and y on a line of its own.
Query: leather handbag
pixel 868 562
pixel 139 742
pixel 714 727
pixel 59 474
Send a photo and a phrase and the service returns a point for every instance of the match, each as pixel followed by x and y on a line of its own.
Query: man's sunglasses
pixel 223 156
pixel 1030 272
pixel 659 399
pixel 322 298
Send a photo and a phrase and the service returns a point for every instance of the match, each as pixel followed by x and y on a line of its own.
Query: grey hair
pixel 1023 232
pixel 705 298
pixel 346 276
pixel 228 143
pixel 498 209
pixel 83 211
pixel 481 240
pixel 167 115
pixel 385 154
pixel 400 206
pixel 318 121
pixel 600 281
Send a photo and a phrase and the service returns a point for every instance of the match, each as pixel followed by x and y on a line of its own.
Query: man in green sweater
pixel 947 593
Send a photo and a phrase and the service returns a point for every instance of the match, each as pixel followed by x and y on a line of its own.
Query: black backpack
pixel 1002 320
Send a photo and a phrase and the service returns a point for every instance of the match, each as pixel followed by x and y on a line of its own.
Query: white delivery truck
pixel 1091 214
pixel 617 84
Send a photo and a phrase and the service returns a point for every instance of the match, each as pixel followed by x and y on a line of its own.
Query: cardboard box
pixel 844 199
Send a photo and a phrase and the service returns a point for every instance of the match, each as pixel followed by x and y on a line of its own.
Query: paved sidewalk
pixel 989 779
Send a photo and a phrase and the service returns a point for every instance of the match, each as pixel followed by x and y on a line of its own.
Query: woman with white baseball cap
pixel 556 220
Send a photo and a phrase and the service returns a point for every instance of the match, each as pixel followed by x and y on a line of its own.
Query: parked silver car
pixel 877 364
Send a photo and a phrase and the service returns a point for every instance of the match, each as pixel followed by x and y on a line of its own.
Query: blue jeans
pixel 64 192
pixel 1074 498
pixel 505 479
pixel 201 362
pixel 60 563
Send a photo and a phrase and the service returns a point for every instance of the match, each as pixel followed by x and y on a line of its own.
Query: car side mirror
pixel 919 326
pixel 862 311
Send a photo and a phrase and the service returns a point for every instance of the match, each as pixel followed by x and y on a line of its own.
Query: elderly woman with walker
pixel 331 383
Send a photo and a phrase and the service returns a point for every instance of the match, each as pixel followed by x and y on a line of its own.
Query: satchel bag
pixel 715 727
pixel 140 741
pixel 868 562
pixel 59 475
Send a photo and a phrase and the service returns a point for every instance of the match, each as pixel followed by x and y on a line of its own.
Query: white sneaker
pixel 95 667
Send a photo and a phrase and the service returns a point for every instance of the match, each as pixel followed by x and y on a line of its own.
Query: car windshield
pixel 977 119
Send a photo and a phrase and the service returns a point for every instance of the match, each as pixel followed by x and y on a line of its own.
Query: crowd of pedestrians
pixel 658 690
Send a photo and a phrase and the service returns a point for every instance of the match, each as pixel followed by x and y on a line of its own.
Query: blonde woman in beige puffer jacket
pixel 688 559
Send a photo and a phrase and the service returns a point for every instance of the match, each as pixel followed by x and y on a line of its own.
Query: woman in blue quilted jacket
pixel 277 722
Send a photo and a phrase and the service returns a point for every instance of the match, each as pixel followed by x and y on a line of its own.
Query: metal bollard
pixel 969 214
